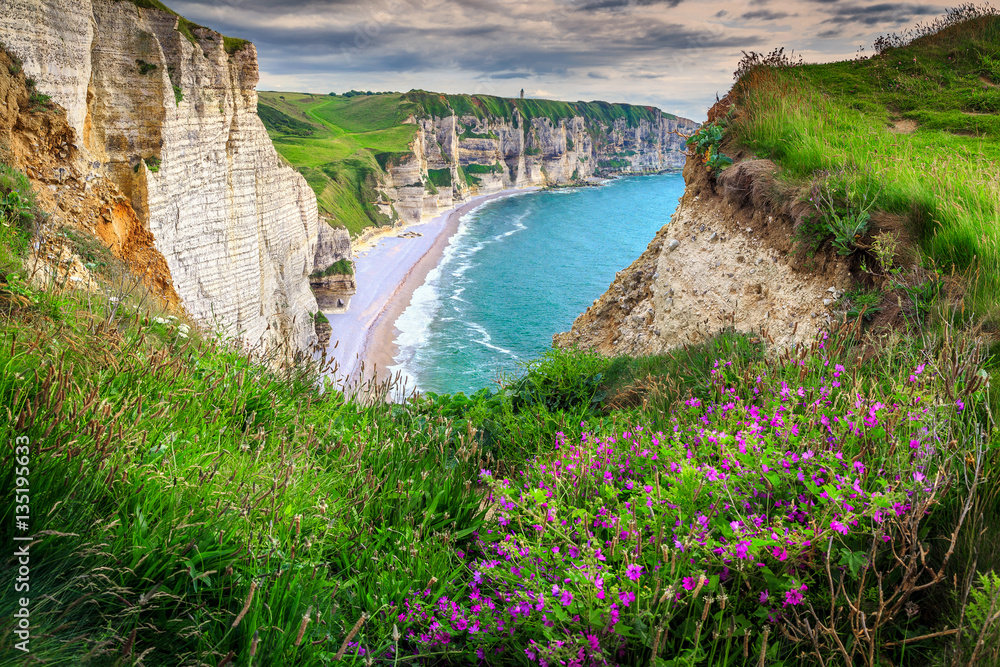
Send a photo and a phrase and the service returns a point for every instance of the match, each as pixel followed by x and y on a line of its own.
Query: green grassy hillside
pixel 481 106
pixel 334 141
pixel 913 131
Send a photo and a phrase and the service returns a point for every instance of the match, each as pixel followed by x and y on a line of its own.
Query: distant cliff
pixel 411 155
pixel 481 144
pixel 163 114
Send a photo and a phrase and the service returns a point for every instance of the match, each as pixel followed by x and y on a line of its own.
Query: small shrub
pixel 845 214
pixel 144 67
pixel 341 267
pixel 884 247
pixel 707 141
pixel 39 101
pixel 178 94
pixel 864 304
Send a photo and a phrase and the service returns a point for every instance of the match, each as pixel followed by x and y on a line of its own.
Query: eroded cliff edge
pixel 168 117
pixel 725 259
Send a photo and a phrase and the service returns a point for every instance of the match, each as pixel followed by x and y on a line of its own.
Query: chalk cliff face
pixel 497 153
pixel 172 122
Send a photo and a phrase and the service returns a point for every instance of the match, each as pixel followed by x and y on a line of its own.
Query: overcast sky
pixel 674 54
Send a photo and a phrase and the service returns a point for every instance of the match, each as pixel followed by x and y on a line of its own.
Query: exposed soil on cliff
pixel 36 139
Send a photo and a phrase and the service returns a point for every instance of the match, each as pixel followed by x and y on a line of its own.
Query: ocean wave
pixel 486 339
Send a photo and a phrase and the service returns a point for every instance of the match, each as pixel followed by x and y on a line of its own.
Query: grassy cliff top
pixel 434 104
pixel 186 27
pixel 911 132
pixel 335 142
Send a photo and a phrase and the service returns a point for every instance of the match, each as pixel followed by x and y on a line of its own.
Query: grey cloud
pixel 511 75
pixel 622 4
pixel 885 12
pixel 764 15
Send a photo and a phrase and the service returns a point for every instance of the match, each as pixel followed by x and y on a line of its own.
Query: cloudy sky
pixel 674 54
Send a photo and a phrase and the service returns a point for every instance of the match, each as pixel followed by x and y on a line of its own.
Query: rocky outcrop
pixel 720 262
pixel 472 155
pixel 170 119
pixel 332 245
pixel 333 292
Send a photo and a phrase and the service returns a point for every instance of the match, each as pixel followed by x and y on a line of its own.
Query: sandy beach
pixel 387 275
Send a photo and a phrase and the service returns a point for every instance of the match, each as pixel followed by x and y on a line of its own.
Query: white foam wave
pixel 486 338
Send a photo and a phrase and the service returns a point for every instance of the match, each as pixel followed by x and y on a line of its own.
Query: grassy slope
pixel 337 158
pixel 843 118
pixel 434 104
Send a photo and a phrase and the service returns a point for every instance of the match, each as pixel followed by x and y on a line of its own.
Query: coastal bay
pixel 362 345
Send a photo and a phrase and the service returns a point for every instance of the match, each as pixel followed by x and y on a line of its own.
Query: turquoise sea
pixel 521 269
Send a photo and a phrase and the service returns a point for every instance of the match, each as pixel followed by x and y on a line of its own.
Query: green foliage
pixel 843 211
pixel 342 267
pixel 439 178
pixel 234 44
pixel 982 632
pixel 276 121
pixel 19 218
pixel 239 509
pixel 167 551
pixel 707 142
pixel 178 94
pixel 144 67
pixel 39 101
pixel 862 303
pixel 485 106
pixel 903 123
pixel 152 163
pixel 495 168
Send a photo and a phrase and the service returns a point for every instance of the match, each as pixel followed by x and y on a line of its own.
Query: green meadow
pixel 335 141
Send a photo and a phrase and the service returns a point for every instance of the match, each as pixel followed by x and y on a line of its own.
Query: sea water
pixel 520 269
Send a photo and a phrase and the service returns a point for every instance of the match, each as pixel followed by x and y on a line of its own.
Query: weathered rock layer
pixel 171 121
pixel 484 155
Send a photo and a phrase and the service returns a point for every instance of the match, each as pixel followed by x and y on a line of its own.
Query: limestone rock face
pixel 498 153
pixel 173 123
pixel 333 293
pixel 333 244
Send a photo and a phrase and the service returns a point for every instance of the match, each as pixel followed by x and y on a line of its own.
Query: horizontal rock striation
pixel 172 121
pixel 484 155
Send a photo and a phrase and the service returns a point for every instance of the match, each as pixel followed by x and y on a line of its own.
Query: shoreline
pixel 396 268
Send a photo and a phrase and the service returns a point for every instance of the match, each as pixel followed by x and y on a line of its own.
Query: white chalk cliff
pixel 172 121
pixel 522 153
